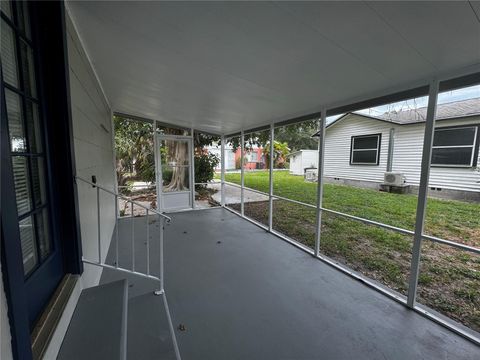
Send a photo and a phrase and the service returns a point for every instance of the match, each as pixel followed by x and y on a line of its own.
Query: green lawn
pixel 449 278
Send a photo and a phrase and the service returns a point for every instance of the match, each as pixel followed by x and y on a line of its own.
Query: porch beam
pixel 422 192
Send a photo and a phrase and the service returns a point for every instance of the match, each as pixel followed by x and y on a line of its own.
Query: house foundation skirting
pixel 434 191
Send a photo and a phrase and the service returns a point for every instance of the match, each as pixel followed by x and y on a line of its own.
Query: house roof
pixel 451 110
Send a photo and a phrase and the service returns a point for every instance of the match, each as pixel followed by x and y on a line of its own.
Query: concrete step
pixel 98 329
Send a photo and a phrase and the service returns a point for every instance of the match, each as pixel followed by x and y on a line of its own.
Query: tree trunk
pixel 177 152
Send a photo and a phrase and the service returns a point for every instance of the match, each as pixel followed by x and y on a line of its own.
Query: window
pixel 25 128
pixel 253 156
pixel 455 146
pixel 365 149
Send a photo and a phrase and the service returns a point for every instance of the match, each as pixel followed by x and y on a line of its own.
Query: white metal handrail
pixel 162 218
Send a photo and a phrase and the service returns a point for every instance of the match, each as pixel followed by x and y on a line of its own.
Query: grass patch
pixel 449 280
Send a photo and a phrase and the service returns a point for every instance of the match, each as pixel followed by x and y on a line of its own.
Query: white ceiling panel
pixel 224 66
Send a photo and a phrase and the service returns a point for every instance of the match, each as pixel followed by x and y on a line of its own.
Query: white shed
pixel 302 159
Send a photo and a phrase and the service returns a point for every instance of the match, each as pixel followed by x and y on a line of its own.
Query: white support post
pixel 242 180
pixel 222 169
pixel 320 168
pixel 422 192
pixel 192 168
pixel 270 179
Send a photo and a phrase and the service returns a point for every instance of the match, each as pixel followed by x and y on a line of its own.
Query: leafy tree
pixel 280 151
pixel 133 145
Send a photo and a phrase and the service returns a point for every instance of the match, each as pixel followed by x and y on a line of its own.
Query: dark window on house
pixel 365 149
pixel 25 129
pixel 455 146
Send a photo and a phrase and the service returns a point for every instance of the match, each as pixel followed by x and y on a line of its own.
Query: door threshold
pixel 48 321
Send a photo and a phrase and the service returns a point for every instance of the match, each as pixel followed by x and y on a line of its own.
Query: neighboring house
pixel 357 148
pixel 301 160
pixel 254 159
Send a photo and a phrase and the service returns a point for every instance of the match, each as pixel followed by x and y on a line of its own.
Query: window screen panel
pixel 452 156
pixel 365 142
pixel 454 137
pixel 365 157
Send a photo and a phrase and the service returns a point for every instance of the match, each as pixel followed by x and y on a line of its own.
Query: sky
pixel 445 97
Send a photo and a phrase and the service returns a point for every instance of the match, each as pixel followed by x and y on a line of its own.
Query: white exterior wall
pixel 337 149
pixel 409 140
pixel 94 155
pixel 5 336
pixel 295 166
pixel 407 154
pixel 93 145
pixel 303 159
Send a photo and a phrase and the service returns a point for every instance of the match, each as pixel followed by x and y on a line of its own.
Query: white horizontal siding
pixel 92 134
pixel 407 155
pixel 337 149
pixel 407 159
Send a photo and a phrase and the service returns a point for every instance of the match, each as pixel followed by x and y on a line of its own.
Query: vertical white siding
pixel 407 154
pixel 5 337
pixel 93 151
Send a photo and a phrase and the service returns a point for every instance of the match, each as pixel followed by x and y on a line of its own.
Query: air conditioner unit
pixel 394 179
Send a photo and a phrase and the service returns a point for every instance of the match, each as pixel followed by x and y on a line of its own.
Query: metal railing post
pixel 270 179
pixel 148 246
pixel 422 192
pixel 161 275
pixel 132 220
pixel 222 169
pixel 98 228
pixel 116 230
pixel 320 168
pixel 242 179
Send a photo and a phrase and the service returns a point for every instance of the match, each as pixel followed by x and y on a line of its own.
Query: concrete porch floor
pixel 243 293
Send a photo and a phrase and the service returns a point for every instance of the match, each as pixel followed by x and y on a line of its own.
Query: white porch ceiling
pixel 224 66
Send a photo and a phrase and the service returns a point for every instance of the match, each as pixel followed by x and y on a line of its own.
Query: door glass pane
pixel 33 126
pixel 175 178
pixel 9 62
pixel 38 180
pixel 43 233
pixel 174 152
pixel 23 17
pixel 27 239
pixel 22 190
pixel 7 9
pixel 15 122
pixel 28 69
